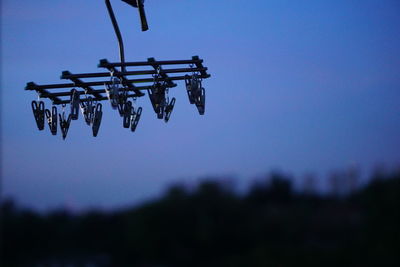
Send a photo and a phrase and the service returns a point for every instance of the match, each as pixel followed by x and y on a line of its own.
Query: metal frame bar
pixel 129 84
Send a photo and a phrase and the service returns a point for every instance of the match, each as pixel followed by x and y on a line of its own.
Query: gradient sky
pixel 296 85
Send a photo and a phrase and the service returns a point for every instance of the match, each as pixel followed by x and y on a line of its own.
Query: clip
pixel 157 98
pixel 122 96
pixel 98 114
pixel 201 103
pixel 88 110
pixel 189 88
pixel 112 92
pixel 169 108
pixel 38 113
pixel 196 93
pixel 74 104
pixel 135 118
pixel 64 124
pixel 127 114
pixel 52 120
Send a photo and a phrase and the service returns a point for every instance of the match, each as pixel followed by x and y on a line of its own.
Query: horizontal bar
pixel 85 84
pixel 85 100
pixel 114 71
pixel 42 93
pixel 104 63
pixel 80 83
pixel 101 91
pixel 68 75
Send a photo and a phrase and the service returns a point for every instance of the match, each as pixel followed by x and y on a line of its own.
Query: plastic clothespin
pixel 52 120
pixel 127 114
pixel 75 98
pixel 64 124
pixel 169 108
pixel 112 92
pixel 38 113
pixel 189 88
pixel 135 119
pixel 87 110
pixel 201 101
pixel 97 119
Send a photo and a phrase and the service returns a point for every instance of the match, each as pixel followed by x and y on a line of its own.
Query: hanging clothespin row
pixel 112 91
pixel 38 113
pixel 87 109
pixel 135 117
pixel 98 114
pixel 74 103
pixel 52 119
pixel 64 122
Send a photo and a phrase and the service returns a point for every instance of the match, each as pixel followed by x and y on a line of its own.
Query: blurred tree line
pixel 270 225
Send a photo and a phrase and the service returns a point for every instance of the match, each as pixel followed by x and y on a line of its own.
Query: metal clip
pixel 169 108
pixel 135 118
pixel 127 114
pixel 98 114
pixel 52 120
pixel 75 98
pixel 38 113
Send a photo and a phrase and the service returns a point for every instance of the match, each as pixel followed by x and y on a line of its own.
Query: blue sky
pixel 296 85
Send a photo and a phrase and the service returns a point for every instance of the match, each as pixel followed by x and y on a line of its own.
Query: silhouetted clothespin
pixel 74 103
pixel 38 113
pixel 88 110
pixel 127 114
pixel 135 118
pixel 52 120
pixel 112 92
pixel 98 114
pixel 168 109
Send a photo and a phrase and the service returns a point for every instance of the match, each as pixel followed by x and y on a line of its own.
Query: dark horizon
pixel 214 226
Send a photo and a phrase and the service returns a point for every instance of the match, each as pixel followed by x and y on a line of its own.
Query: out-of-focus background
pixel 297 153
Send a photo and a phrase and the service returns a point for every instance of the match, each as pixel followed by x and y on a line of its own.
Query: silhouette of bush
pixel 271 225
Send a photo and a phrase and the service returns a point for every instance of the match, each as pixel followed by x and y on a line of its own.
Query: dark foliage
pixel 212 226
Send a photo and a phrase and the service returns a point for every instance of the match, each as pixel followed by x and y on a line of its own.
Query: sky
pixel 298 86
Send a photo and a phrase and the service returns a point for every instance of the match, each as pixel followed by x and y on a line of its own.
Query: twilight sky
pixel 300 86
